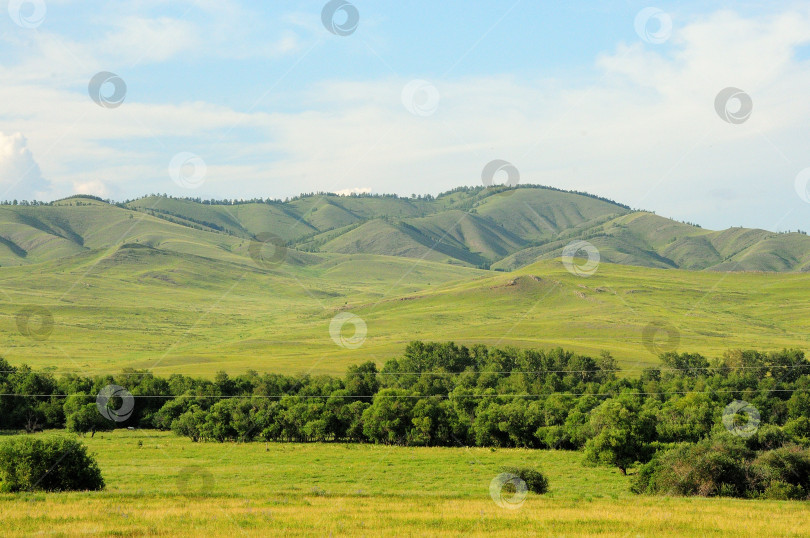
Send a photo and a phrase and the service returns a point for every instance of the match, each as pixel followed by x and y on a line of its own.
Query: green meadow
pixel 164 485
pixel 169 312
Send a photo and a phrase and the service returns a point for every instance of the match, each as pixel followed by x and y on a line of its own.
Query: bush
pixel 711 467
pixel 723 466
pixel 782 491
pixel 535 481
pixel 799 429
pixel 50 464
pixel 782 473
pixel 768 437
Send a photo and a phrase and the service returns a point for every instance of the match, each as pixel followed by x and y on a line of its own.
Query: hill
pixel 648 240
pixel 502 229
pixel 182 285
pixel 145 307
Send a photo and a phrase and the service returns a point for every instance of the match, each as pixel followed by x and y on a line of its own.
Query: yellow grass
pixel 307 515
pixel 329 489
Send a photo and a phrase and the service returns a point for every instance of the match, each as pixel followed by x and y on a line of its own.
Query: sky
pixel 695 110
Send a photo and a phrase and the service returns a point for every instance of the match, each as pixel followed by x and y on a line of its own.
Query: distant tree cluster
pixel 494 189
pixel 24 202
pixel 76 198
pixel 184 220
pixel 271 201
pixel 211 201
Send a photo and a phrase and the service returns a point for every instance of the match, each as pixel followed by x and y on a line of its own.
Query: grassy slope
pixel 193 301
pixel 144 307
pixel 712 312
pixel 349 490
pixel 147 307
pixel 52 232
pixel 540 214
pixel 647 240
pixel 465 231
pixel 507 230
pixel 381 237
pixel 504 223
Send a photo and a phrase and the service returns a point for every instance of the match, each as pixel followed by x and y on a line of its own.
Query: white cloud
pixel 95 187
pixel 353 190
pixel 20 177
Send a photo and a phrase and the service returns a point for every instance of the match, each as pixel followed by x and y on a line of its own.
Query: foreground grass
pixel 377 516
pixel 159 484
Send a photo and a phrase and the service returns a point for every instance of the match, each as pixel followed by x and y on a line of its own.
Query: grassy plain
pixel 160 484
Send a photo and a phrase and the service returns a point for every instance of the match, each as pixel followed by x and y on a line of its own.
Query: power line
pixel 447 396
pixel 591 371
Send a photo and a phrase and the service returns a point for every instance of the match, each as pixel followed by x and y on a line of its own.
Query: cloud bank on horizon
pixel 230 100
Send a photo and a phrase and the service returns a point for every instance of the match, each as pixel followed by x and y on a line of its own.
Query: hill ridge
pixel 491 228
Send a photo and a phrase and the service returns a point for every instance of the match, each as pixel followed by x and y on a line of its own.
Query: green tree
pixel 430 423
pixel 685 418
pixel 388 419
pixel 190 424
pixel 87 419
pixel 619 435
pixel 362 380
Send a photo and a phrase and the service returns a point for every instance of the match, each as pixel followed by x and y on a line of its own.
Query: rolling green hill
pixel 145 307
pixel 400 239
pixel 504 229
pixel 176 285
pixel 34 234
pixel 645 239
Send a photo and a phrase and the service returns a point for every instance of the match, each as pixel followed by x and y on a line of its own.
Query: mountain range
pixel 490 228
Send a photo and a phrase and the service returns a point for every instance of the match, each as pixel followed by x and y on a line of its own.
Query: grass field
pixel 160 484
pixel 145 308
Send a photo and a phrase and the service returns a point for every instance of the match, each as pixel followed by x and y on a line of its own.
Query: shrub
pixel 50 464
pixel 782 491
pixel 711 467
pixel 784 471
pixel 535 481
pixel 768 437
pixel 799 429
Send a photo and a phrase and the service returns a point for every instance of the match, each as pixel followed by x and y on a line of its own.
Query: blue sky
pixel 259 99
